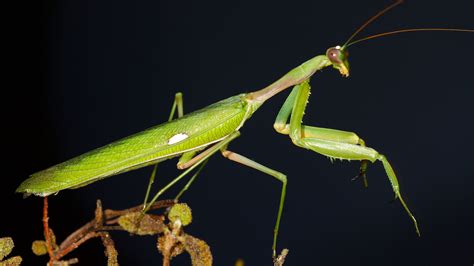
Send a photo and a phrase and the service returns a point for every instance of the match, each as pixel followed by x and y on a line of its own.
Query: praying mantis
pixel 197 136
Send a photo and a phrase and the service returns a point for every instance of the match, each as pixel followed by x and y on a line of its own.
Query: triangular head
pixel 338 56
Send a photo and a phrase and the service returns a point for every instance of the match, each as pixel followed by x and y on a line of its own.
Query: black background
pixel 89 72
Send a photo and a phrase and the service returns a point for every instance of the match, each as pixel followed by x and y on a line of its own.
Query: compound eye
pixel 334 55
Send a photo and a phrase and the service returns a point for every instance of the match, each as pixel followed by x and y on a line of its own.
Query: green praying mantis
pixel 196 136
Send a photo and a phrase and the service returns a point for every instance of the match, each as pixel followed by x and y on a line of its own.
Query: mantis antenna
pixel 370 20
pixel 385 10
pixel 407 30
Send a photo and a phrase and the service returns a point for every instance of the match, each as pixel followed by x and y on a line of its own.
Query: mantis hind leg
pixel 279 176
pixel 332 143
pixel 177 105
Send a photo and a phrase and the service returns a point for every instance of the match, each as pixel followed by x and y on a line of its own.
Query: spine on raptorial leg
pixel 294 77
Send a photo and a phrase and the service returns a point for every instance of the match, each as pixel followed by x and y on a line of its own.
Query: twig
pixel 63 252
pixel 157 205
pixel 109 249
pixel 102 222
pixel 76 235
pixel 47 233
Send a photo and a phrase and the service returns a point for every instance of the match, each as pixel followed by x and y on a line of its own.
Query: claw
pixel 358 176
pixel 362 171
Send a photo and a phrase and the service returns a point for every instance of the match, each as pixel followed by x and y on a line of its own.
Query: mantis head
pixel 338 56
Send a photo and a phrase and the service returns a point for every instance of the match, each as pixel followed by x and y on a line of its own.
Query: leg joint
pixel 381 157
pixel 226 153
pixel 297 140
pixel 281 128
pixel 282 178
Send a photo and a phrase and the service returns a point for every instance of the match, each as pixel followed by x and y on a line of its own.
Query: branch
pixel 103 221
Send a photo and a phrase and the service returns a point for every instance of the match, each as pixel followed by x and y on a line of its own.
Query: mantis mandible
pixel 196 136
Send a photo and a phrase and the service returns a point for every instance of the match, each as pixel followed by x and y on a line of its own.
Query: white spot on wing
pixel 177 138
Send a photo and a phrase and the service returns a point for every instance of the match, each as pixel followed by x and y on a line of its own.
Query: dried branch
pixel 174 241
pixel 103 221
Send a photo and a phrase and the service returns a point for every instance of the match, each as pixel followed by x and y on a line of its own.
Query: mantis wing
pixel 191 132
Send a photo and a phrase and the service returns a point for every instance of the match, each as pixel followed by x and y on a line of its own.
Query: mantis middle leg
pixel 279 176
pixel 213 149
pixel 201 159
pixel 334 144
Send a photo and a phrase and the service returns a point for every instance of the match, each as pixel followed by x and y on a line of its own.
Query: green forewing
pixel 202 127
